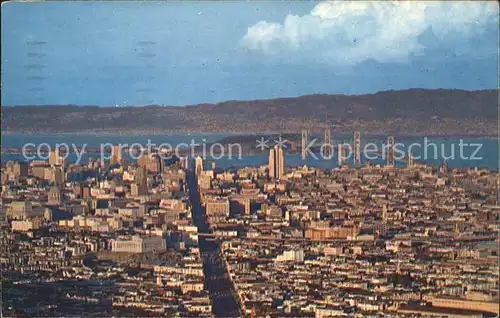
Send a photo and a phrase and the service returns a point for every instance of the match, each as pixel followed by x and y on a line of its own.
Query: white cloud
pixel 345 32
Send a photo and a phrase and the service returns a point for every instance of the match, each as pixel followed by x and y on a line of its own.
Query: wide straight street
pixel 224 303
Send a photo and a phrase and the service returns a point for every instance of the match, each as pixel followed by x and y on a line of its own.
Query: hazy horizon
pixel 258 99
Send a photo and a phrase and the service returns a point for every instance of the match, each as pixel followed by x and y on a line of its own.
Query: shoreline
pixel 243 134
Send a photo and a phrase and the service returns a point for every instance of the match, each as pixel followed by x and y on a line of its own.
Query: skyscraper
pixel 155 163
pixel 141 175
pixel 198 166
pixel 116 155
pixel 53 156
pixel 272 163
pixel 55 159
pixel 143 160
pixel 152 161
pixel 56 175
pixel 340 154
pixel 276 163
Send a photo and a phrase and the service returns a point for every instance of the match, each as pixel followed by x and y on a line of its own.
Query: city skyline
pixel 390 240
pixel 99 53
pixel 333 158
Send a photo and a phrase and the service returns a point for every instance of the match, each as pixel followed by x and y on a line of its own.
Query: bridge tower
pixel 390 151
pixel 305 141
pixel 341 154
pixel 357 148
pixel 328 144
pixel 327 141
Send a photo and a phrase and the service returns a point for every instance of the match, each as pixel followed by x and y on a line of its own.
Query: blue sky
pixel 172 53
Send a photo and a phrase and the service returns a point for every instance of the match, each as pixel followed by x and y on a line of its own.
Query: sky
pixel 173 53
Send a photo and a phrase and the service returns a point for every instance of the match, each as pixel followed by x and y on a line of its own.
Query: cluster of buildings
pixel 368 240
pixel 302 241
pixel 107 239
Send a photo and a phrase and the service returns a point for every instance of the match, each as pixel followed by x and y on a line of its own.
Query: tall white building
pixel 198 165
pixel 138 244
pixel 276 163
pixel 55 158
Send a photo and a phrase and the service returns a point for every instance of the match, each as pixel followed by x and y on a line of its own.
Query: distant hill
pixel 412 111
